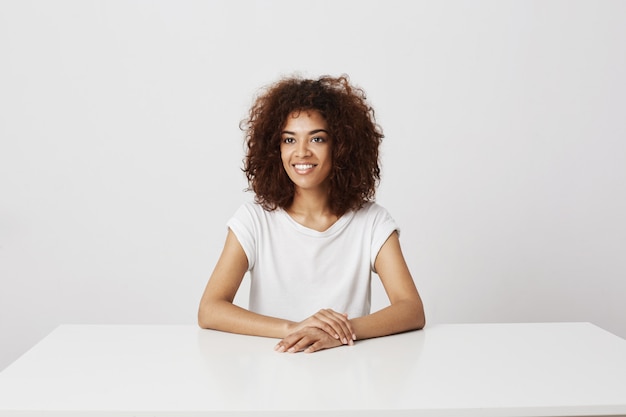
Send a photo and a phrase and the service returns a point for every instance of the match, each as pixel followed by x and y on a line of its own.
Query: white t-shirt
pixel 296 271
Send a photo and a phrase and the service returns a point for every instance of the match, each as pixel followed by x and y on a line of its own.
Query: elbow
pixel 421 322
pixel 410 313
pixel 214 314
pixel 205 317
pixel 419 316
pixel 202 320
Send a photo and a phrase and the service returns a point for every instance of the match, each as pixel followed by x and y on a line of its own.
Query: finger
pixel 329 318
pixel 296 342
pixel 339 323
pixel 320 321
pixel 314 347
pixel 288 342
pixel 300 345
pixel 331 328
pixel 322 343
pixel 352 334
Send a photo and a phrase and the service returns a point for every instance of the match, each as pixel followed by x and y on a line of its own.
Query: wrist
pixel 289 327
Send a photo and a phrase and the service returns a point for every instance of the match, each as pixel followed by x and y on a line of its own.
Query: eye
pixel 289 140
pixel 318 139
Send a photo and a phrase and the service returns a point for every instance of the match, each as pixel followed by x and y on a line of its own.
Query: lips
pixel 303 166
pixel 303 169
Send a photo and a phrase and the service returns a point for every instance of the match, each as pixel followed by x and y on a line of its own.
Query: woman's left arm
pixel 406 311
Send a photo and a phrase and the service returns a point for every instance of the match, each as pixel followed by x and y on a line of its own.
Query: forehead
pixel 304 119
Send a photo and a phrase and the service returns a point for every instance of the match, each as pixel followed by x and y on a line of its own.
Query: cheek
pixel 284 158
pixel 329 157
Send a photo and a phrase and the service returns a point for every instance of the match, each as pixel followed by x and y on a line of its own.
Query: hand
pixel 308 339
pixel 335 324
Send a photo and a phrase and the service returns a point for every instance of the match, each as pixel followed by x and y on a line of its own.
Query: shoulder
pixel 253 216
pixel 377 218
pixel 372 210
pixel 250 209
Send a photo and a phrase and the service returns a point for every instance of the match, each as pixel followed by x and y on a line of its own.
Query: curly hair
pixel 356 137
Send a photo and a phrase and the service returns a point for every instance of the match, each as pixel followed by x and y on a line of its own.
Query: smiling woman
pixel 306 151
pixel 314 236
pixel 349 121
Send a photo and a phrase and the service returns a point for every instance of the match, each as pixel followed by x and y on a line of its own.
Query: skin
pixel 306 154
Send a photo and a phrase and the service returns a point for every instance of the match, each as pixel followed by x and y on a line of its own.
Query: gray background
pixel 120 152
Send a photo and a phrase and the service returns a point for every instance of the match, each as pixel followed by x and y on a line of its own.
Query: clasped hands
pixel 323 330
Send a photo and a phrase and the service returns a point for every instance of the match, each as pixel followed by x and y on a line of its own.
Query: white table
pixel 444 370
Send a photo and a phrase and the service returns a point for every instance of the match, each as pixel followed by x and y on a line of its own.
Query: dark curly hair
pixel 355 141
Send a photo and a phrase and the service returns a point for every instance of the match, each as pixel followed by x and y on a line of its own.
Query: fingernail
pixel 336 336
pixel 353 336
pixel 344 341
pixel 291 350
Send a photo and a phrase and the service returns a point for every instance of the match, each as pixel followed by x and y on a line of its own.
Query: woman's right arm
pixel 218 312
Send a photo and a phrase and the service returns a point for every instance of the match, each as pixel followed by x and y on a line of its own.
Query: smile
pixel 303 167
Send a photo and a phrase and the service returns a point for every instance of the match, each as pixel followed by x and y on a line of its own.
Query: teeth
pixel 303 166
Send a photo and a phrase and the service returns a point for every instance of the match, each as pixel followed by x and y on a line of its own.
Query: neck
pixel 312 210
pixel 310 202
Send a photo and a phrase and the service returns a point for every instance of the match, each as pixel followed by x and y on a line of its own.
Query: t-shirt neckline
pixel 334 228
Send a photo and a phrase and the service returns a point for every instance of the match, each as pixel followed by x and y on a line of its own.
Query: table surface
pixel 444 370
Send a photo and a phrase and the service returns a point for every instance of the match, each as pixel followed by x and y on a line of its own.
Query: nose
pixel 303 148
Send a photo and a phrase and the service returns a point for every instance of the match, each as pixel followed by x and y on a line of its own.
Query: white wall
pixel 120 153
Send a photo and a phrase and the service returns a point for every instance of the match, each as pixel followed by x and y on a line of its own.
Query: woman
pixel 313 236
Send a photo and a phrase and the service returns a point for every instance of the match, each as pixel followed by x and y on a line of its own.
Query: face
pixel 305 149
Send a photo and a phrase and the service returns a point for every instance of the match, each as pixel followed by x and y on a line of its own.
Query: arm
pixel 218 312
pixel 406 311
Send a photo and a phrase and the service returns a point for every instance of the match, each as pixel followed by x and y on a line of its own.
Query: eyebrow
pixel 312 132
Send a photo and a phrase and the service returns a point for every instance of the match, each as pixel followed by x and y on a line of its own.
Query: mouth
pixel 303 168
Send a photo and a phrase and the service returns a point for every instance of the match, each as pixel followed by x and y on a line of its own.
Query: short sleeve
pixel 383 225
pixel 243 226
